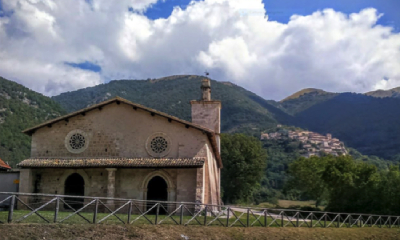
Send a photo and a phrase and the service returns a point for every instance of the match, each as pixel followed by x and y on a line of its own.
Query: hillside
pixel 241 110
pixel 304 99
pixel 283 151
pixel 21 108
pixel 368 124
pixel 394 92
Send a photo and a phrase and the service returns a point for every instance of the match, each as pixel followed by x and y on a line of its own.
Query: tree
pixel 244 162
pixel 306 176
pixel 352 185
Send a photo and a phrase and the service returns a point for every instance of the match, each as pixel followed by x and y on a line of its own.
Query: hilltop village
pixel 313 144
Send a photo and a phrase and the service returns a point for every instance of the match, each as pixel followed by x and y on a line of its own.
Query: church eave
pixel 112 163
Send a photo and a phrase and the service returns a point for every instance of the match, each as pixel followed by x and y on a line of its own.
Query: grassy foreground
pixel 122 232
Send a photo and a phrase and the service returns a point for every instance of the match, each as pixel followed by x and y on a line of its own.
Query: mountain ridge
pixel 241 109
pixel 367 123
pixel 394 92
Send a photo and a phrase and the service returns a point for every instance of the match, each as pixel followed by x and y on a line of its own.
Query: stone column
pixel 25 185
pixel 111 185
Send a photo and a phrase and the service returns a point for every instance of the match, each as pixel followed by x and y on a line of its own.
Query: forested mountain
pixel 21 108
pixel 367 123
pixel 304 99
pixel 241 110
pixel 370 125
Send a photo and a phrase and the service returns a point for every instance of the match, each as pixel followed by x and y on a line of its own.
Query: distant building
pixel 4 166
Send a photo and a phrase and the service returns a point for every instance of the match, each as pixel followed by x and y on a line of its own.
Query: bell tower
pixel 207 112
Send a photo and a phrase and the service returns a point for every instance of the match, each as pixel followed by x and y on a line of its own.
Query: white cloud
pixel 232 39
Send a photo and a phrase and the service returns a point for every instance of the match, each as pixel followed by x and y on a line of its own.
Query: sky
pixel 272 47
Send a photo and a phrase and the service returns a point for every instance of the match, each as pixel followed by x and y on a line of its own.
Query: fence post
pixel 57 208
pixel 311 220
pixel 265 217
pixel 205 215
pixel 227 217
pixel 248 217
pixel 297 219
pixel 282 218
pixel 325 221
pixel 129 212
pixel 157 212
pixel 11 210
pixel 350 220
pixel 181 217
pixel 95 210
pixel 338 223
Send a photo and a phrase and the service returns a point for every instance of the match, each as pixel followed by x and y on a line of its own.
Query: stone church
pixel 121 149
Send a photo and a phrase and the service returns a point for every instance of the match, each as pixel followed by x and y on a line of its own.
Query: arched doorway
pixel 75 186
pixel 157 189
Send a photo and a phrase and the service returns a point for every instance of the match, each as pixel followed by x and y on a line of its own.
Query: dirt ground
pixel 111 232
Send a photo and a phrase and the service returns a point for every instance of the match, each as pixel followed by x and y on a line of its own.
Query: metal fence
pixel 46 208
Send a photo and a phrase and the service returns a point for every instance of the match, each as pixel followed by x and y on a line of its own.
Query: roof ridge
pixel 109 101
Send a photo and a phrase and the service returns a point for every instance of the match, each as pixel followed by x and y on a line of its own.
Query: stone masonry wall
pixel 130 183
pixel 116 131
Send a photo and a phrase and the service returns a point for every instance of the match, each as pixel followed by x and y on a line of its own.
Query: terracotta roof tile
pixel 112 162
pixel 4 165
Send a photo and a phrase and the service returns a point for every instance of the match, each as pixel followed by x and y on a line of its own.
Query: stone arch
pixel 69 172
pixel 167 178
pixel 74 186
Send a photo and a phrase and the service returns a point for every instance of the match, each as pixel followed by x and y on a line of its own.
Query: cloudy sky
pixel 271 47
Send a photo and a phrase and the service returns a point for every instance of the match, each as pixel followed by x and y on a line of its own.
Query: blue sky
pixel 53 46
pixel 282 10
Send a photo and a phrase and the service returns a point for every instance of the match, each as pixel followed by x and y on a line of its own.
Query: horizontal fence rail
pixel 48 208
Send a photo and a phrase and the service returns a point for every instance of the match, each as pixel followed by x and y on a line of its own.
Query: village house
pixel 120 149
pixel 4 166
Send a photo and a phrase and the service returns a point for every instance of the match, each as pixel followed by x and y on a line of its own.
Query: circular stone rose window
pixel 158 145
pixel 76 141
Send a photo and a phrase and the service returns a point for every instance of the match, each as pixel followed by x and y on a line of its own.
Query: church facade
pixel 120 149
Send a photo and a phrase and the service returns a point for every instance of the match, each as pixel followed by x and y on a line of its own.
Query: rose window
pixel 77 141
pixel 159 144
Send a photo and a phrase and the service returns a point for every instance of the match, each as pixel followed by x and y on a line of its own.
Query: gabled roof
pixel 4 166
pixel 210 133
